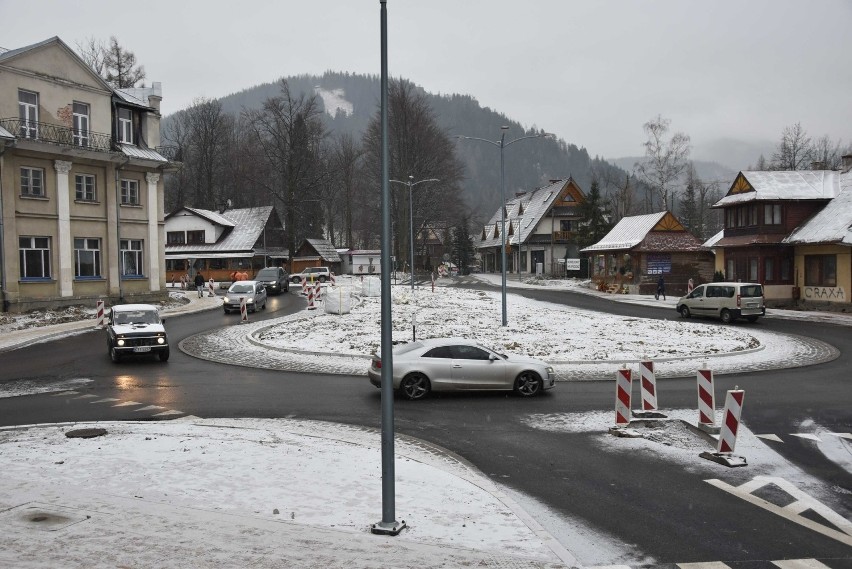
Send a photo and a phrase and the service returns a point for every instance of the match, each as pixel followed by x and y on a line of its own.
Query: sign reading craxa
pixel 829 293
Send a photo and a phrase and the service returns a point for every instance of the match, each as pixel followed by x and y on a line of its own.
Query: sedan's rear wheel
pixel 414 386
pixel 528 384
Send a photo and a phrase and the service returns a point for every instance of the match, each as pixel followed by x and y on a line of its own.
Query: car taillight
pixel 738 301
pixel 377 364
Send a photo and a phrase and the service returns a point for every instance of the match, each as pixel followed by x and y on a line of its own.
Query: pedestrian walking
pixel 199 284
pixel 661 288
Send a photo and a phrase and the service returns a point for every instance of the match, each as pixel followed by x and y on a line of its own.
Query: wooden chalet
pixel 316 253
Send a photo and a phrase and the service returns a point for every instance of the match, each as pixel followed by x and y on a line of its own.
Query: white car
pixel 725 301
pixel 451 364
pixel 134 329
pixel 253 291
pixel 321 274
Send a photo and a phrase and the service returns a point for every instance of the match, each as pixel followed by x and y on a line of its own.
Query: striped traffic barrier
pixel 243 310
pixel 623 383
pixel 648 388
pixel 728 435
pixel 101 322
pixel 333 282
pixel 317 292
pixel 706 401
pixel 210 287
pixel 305 286
pixel 311 304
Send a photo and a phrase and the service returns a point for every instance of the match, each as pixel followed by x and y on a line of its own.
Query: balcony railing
pixel 59 134
pixel 559 236
pixel 170 153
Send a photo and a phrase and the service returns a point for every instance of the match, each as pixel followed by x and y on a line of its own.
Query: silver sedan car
pixel 451 364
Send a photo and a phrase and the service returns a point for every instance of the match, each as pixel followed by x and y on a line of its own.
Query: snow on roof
pixel 628 232
pixel 5 134
pixel 832 224
pixel 325 250
pixel 785 185
pixel 715 239
pixel 247 227
pixel 523 214
pixel 143 153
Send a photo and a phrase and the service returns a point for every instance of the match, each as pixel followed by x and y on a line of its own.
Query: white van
pixel 726 301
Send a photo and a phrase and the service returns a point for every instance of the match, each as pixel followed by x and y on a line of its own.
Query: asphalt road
pixel 668 513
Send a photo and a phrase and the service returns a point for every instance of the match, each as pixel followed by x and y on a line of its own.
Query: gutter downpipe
pixel 118 223
pixel 2 232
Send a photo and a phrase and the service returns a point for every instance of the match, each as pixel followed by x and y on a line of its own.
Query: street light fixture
pixel 411 183
pixel 501 144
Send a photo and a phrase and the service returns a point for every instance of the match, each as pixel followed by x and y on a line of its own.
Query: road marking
pixel 707 565
pixel 800 564
pixel 842 435
pixel 107 400
pixel 126 403
pixel 64 393
pixel 86 397
pixel 806 436
pixel 793 510
pixel 169 412
pixel 150 408
pixel 775 438
pixel 189 418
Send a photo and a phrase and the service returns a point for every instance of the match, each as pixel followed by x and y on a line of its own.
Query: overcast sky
pixel 593 72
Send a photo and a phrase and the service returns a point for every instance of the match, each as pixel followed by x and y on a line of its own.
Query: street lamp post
pixel 411 183
pixel 501 144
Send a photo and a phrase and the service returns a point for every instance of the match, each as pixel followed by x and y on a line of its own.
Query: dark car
pixel 135 329
pixel 274 279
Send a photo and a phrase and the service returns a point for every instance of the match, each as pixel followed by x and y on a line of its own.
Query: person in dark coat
pixel 199 283
pixel 661 288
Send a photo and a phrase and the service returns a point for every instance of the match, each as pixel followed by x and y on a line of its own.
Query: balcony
pixel 59 134
pixel 564 236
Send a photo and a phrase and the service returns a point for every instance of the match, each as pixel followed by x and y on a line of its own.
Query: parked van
pixel 726 301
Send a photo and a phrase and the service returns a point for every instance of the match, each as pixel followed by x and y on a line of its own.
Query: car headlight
pixel 550 371
pixel 227 299
pixel 161 340
pixel 120 342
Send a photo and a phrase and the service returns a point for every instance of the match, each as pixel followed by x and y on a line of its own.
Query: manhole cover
pixel 85 433
pixel 43 517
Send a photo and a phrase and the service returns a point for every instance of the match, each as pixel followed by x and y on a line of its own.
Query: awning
pixel 184 256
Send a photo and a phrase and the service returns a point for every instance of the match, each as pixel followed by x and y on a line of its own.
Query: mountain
pixel 352 100
pixel 707 171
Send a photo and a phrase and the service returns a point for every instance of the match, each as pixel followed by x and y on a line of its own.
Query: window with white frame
pixel 34 257
pixel 81 124
pixel 130 192
pixel 28 113
pixel 85 187
pixel 87 257
pixel 32 182
pixel 131 257
pixel 125 126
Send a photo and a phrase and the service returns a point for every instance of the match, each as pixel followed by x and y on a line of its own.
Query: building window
pixel 175 238
pixel 129 192
pixel 752 269
pixel 85 187
pixel 769 269
pixel 772 214
pixel 820 270
pixel 81 124
pixel 195 237
pixel 125 126
pixel 752 215
pixel 32 182
pixel 730 269
pixel 131 257
pixel 34 257
pixel 87 257
pixel 786 270
pixel 28 113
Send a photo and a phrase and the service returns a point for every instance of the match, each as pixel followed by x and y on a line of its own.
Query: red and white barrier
pixel 706 398
pixel 433 281
pixel 243 310
pixel 333 282
pixel 211 291
pixel 649 386
pixel 311 304
pixel 623 382
pixel 305 286
pixel 317 291
pixel 101 322
pixel 731 420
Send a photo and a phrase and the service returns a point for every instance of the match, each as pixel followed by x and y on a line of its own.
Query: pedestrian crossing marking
pixel 800 564
pixel 806 436
pixel 793 510
pixel 707 565
pixel 107 400
pixel 169 412
pixel 842 435
pixel 150 408
pixel 775 438
pixel 126 403
pixel 64 393
pixel 88 396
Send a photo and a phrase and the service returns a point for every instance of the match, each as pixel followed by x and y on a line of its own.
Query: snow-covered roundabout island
pixel 579 344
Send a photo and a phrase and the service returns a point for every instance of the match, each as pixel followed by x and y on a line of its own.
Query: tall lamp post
pixel 411 183
pixel 501 144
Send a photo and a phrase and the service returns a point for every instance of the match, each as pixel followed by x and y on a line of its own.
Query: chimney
pixel 846 162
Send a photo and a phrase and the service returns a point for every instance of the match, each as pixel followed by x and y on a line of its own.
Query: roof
pixel 143 153
pixel 5 134
pixel 775 185
pixel 246 225
pixel 55 40
pixel 715 239
pixel 832 224
pixel 751 239
pixel 523 212
pixel 324 249
pixel 628 232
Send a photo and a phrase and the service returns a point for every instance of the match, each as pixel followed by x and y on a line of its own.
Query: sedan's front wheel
pixel 528 384
pixel 414 386
pixel 114 355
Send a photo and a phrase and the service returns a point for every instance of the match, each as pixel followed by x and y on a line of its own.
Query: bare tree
pixel 827 152
pixel 665 160
pixel 287 136
pixel 120 69
pixel 346 164
pixel 92 51
pixel 794 150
